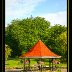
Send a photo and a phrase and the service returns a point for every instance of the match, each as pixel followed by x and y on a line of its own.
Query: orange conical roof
pixel 39 50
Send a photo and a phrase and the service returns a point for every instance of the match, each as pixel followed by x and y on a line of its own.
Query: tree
pixel 62 45
pixel 21 35
pixel 53 33
pixel 7 52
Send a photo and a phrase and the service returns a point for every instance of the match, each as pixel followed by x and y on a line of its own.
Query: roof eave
pixel 41 57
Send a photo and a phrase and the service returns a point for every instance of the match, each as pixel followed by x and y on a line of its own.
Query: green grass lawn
pixel 13 63
pixel 17 63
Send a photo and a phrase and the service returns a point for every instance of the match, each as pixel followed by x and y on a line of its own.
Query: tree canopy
pixel 21 35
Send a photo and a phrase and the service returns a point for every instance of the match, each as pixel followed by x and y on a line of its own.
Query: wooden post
pixel 24 65
pixel 41 65
pixel 52 64
pixel 41 68
pixel 49 64
pixel 29 63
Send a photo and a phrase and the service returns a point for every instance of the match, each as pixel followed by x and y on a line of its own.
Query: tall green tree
pixel 53 33
pixel 62 45
pixel 21 35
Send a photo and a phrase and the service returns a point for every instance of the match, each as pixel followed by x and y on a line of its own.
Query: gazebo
pixel 39 50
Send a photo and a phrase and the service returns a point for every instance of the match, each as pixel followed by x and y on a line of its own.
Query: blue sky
pixel 52 10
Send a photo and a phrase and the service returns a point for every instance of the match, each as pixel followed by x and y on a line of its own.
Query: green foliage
pixel 21 35
pixel 7 52
pixel 53 39
pixel 21 61
pixel 62 40
pixel 62 45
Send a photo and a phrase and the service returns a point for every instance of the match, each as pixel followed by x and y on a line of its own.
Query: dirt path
pixel 19 70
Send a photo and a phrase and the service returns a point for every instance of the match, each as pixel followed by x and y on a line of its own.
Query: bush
pixel 21 61
pixel 7 52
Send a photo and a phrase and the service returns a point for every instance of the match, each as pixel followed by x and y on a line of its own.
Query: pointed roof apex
pixel 39 40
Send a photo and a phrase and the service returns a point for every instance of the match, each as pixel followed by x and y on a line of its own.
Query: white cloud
pixel 22 8
pixel 56 18
pixel 19 8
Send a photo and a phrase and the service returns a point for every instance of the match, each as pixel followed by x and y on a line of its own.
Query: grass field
pixel 16 63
